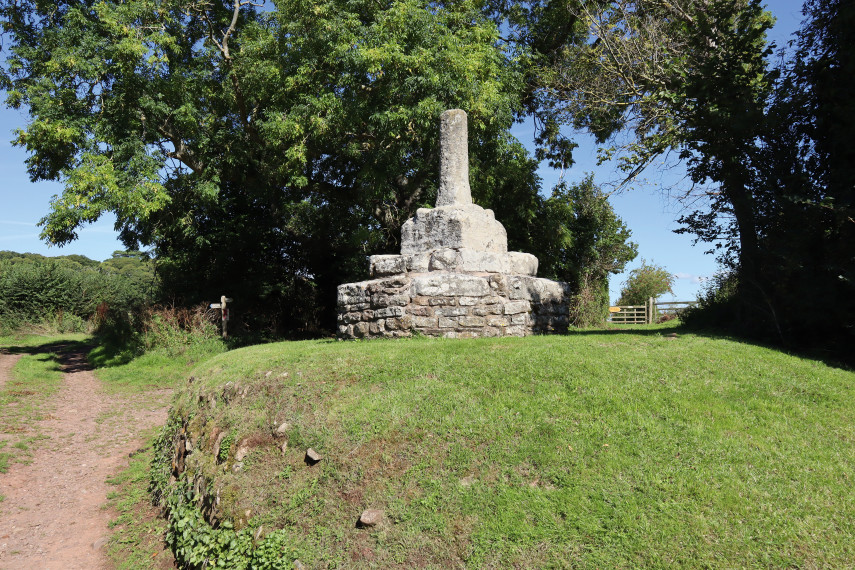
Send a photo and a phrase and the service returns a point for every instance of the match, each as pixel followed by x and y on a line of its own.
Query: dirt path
pixel 52 515
pixel 7 361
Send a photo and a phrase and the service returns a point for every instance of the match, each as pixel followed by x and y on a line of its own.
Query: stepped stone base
pixel 452 305
pixel 457 226
pixel 455 261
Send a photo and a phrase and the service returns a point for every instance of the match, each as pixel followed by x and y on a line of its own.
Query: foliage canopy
pixel 65 292
pixel 646 281
pixel 264 149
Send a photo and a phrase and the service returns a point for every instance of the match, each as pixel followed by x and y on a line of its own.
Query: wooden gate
pixel 648 313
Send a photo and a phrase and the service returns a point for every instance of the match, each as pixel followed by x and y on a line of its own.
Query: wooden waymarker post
pixel 224 312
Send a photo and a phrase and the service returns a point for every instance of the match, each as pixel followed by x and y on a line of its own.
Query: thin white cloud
pixel 15 223
pixel 697 279
pixel 19 237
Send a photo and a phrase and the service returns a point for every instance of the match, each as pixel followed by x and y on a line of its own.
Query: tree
pixel 804 190
pixel 260 152
pixel 765 146
pixel 684 75
pixel 645 282
pixel 582 242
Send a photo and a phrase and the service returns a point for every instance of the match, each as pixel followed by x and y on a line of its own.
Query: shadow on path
pixel 70 355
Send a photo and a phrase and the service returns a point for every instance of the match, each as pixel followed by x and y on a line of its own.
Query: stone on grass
pixel 312 456
pixel 242 452
pixel 370 518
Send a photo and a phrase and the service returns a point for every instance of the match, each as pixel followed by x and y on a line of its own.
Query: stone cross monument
pixel 457 234
pixel 454 276
pixel 453 160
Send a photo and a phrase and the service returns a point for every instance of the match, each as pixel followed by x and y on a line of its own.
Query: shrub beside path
pixel 53 513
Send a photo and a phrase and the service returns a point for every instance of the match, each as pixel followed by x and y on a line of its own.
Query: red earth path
pixel 53 513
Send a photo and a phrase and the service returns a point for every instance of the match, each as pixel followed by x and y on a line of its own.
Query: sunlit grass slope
pixel 595 449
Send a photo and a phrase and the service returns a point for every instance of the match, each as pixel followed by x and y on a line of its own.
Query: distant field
pixel 600 448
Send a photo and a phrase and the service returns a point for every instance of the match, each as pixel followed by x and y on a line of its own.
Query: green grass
pixel 26 342
pixel 600 448
pixel 157 369
pixel 25 397
pixel 137 539
pixel 4 457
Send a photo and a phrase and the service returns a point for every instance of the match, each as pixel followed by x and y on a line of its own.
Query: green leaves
pixel 283 145
pixel 648 280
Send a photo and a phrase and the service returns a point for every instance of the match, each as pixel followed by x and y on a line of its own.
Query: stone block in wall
pixel 444 260
pixel 484 310
pixel 396 311
pixel 418 262
pixel 520 319
pixel 472 321
pixel 451 284
pixel 349 318
pixel 514 307
pixel 380 300
pixel 424 322
pixel 520 263
pixel 497 321
pixel 451 311
pixel 361 329
pixel 382 265
pixel 352 294
pixel 404 323
pixel 390 284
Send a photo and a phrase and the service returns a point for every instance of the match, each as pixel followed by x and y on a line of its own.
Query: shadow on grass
pixel 827 357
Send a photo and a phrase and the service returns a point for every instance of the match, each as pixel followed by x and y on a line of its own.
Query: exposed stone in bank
pixel 455 276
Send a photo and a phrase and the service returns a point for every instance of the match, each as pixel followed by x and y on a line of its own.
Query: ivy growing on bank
pixel 194 542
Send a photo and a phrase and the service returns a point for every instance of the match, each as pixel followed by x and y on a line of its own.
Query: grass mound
pixel 595 449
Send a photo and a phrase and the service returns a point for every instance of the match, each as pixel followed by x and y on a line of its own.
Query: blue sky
pixel 646 209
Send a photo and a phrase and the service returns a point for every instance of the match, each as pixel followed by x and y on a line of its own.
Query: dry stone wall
pixel 451 305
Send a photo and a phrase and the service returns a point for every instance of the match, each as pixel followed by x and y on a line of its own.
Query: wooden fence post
pixel 650 308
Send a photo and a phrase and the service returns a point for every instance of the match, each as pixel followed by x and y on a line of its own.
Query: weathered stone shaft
pixel 453 160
